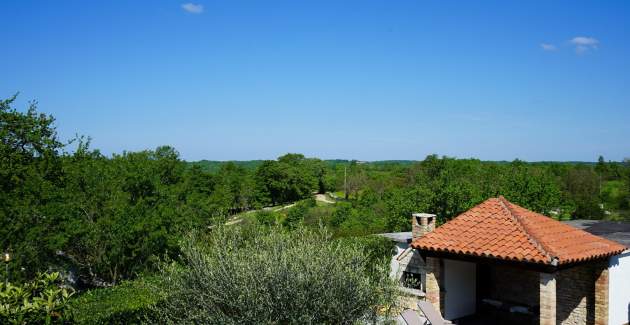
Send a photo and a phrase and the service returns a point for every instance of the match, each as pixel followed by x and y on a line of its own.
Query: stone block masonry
pixel 581 295
pixel 601 294
pixel 547 298
pixel 433 283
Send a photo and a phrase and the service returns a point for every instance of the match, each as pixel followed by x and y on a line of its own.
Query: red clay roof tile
pixel 500 229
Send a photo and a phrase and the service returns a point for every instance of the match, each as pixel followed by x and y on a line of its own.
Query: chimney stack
pixel 422 224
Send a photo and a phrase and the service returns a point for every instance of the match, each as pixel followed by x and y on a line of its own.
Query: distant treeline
pixel 67 206
pixel 213 166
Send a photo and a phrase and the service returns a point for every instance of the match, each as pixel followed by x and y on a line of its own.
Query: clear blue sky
pixel 369 80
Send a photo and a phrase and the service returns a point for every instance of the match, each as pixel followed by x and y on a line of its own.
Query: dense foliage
pixel 382 196
pixel 41 301
pixel 108 218
pixel 446 187
pixel 236 276
pixel 130 302
pixel 30 175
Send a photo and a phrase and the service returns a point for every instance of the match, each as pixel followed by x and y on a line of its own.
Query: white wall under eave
pixel 395 264
pixel 460 283
pixel 619 289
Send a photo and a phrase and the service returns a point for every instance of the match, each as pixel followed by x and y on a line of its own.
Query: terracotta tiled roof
pixel 499 229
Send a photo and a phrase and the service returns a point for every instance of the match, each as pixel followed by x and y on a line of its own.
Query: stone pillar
pixel 433 286
pixel 547 298
pixel 601 295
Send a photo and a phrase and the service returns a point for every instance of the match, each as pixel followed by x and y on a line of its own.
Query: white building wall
pixel 619 289
pixel 460 283
pixel 395 266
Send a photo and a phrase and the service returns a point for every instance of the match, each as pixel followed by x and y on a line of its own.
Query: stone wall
pixel 433 285
pixel 412 262
pixel 582 294
pixel 572 292
pixel 575 295
pixel 601 274
pixel 548 302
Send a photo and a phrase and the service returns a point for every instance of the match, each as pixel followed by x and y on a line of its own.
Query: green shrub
pixel 318 215
pixel 341 214
pixel 126 303
pixel 377 249
pixel 614 195
pixel 296 214
pixel 41 301
pixel 277 277
pixel 266 217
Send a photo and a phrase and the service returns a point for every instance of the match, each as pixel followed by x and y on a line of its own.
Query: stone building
pixel 501 263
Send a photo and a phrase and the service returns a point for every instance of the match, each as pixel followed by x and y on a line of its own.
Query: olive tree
pixel 274 276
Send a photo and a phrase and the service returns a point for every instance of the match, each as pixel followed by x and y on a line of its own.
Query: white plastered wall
pixel 619 289
pixel 395 265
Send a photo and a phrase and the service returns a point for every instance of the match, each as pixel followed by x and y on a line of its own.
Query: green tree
pixel 279 278
pixel 30 171
pixel 601 167
pixel 533 188
pixel 401 203
pixel 582 186
pixel 290 178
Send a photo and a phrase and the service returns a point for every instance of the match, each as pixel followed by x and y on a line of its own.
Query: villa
pixel 501 263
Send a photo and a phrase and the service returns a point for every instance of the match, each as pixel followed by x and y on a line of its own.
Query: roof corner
pixel 507 205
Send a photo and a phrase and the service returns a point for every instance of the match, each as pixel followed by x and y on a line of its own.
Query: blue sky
pixel 369 80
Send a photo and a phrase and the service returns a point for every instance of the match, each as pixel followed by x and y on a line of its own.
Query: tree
pixel 582 186
pixel 356 179
pixel 401 203
pixel 601 167
pixel 626 179
pixel 290 178
pixel 30 171
pixel 119 213
pixel 278 277
pixel 238 187
pixel 533 188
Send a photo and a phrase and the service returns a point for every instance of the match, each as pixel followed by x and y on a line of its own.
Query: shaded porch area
pixel 483 291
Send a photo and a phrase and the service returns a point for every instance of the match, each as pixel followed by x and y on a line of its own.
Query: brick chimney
pixel 422 224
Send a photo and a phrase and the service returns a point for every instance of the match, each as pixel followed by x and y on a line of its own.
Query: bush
pixel 297 213
pixel 126 303
pixel 279 277
pixel 318 215
pixel 42 301
pixel 377 249
pixel 266 217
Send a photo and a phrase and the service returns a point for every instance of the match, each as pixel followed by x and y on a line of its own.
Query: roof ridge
pixel 517 218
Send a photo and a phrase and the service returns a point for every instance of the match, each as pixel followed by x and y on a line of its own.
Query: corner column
pixel 434 295
pixel 601 295
pixel 547 298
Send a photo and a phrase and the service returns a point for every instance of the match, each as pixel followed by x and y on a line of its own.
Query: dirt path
pixel 323 198
pixel 285 207
pixel 238 218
